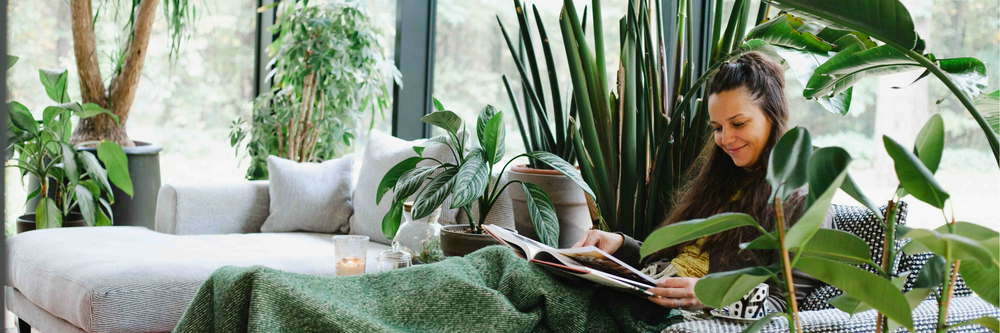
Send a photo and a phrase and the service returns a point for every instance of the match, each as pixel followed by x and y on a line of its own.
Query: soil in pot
pixel 27 222
pixel 567 198
pixel 457 240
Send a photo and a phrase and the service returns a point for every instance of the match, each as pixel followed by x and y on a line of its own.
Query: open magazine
pixel 589 262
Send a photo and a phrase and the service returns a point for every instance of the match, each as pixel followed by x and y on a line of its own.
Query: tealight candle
pixel 350 266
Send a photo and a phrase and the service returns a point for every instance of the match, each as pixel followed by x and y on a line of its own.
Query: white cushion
pixel 313 197
pixel 381 154
pixel 132 279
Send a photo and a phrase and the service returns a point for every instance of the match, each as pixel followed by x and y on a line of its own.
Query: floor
pixel 9 323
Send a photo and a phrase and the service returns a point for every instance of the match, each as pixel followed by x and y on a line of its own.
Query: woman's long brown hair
pixel 719 186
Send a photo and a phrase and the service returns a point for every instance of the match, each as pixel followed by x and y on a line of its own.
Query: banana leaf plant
pixel 469 181
pixel 69 178
pixel 533 123
pixel 825 254
pixel 959 247
pixel 901 50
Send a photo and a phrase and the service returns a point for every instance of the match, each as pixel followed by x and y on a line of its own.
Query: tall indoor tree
pixel 120 91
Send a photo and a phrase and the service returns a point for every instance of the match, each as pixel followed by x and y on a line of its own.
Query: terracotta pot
pixel 455 243
pixel 27 222
pixel 567 198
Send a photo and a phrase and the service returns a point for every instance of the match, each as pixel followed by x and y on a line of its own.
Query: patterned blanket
pixel 491 290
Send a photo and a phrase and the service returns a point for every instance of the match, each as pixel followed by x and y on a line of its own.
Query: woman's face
pixel 741 128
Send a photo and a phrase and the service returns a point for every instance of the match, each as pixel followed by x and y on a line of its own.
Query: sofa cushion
pixel 381 154
pixel 132 279
pixel 311 197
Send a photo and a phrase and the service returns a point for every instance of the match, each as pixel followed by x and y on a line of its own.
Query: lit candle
pixel 350 266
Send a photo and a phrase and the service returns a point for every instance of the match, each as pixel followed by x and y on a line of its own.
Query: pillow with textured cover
pixel 313 197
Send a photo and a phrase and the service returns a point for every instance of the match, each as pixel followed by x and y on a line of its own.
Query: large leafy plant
pixel 68 178
pixel 533 123
pixel 959 247
pixel 825 254
pixel 329 69
pixel 469 181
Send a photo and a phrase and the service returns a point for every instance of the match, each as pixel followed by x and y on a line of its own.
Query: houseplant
pixel 120 92
pixel 329 69
pixel 68 178
pixel 468 182
pixel 537 134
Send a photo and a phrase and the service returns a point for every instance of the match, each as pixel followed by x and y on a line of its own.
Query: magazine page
pixel 597 277
pixel 593 257
pixel 528 247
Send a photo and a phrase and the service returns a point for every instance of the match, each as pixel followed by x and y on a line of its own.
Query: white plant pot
pixel 568 199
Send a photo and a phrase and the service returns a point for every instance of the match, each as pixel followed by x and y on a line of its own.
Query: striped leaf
pixel 96 172
pixel 493 137
pixel 434 194
pixel 390 178
pixel 562 166
pixel 542 213
pixel 87 204
pixel 409 182
pixel 474 175
pixel 447 120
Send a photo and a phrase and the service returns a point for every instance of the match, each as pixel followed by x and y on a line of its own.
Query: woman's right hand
pixel 606 241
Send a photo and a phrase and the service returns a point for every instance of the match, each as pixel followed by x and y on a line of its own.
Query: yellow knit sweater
pixel 691 261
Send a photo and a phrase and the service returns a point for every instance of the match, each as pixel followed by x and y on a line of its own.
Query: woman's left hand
pixel 677 293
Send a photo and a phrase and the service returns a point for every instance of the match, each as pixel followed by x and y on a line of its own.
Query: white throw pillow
pixel 381 154
pixel 314 197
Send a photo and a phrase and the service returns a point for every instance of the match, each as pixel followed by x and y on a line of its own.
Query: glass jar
pixel 421 238
pixel 394 258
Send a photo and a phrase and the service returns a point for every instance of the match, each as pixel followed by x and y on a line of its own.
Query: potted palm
pixel 74 188
pixel 329 69
pixel 544 127
pixel 468 183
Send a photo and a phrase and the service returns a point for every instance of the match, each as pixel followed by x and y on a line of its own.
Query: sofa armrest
pixel 214 209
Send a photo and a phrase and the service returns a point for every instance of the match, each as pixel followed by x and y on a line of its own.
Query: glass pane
pixel 470 56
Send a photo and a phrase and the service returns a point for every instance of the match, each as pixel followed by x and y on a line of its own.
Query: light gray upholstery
pixel 310 197
pixel 212 209
pixel 132 279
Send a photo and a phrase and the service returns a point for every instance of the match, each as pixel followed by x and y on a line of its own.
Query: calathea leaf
pixel 409 182
pixel 447 120
pixel 391 220
pixel 485 115
pixel 391 177
pixel 542 213
pixel 434 193
pixel 559 164
pixel 474 177
pixel 493 138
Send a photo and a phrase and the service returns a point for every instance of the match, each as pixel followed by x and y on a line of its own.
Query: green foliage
pixel 469 181
pixel 329 69
pixel 68 178
pixel 793 147
pixel 681 232
pixel 720 289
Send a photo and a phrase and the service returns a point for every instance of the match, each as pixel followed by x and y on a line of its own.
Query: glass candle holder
pixel 350 252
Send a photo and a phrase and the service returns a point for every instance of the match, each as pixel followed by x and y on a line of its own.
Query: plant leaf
pixel 932 273
pixel 559 164
pixel 47 214
pixel 116 162
pixel 22 118
pixel 391 177
pixel 982 280
pixel 437 104
pixel 409 182
pixel 680 232
pixel 485 114
pixel 11 60
pixel 474 175
pixel 789 161
pixel 391 220
pixel 837 245
pixel 930 143
pixel 881 19
pixel 914 176
pixel 69 162
pixel 90 109
pixel 862 285
pixel 419 150
pixel 720 289
pixel 102 219
pixel 853 64
pixel 986 321
pixel 849 304
pixel 447 120
pixel 85 199
pixel 953 247
pixel 989 106
pixel 827 171
pixel 969 73
pixel 493 138
pixel 971 230
pixel 778 31
pixel 54 81
pixel 852 189
pixel 542 213
pixel 96 172
pixel 434 194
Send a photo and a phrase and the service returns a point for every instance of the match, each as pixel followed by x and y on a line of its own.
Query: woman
pixel 748 113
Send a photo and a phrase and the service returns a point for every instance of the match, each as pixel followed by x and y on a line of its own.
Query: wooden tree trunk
pixel 118 99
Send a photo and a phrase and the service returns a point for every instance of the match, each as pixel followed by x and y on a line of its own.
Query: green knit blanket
pixel 491 290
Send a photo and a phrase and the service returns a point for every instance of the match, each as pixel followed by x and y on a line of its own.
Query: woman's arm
pixel 628 252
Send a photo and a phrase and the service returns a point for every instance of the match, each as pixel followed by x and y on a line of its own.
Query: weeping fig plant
pixel 468 182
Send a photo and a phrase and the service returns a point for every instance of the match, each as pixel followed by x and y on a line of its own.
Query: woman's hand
pixel 606 241
pixel 677 293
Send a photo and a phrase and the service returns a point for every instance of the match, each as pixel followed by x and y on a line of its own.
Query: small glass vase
pixel 421 238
